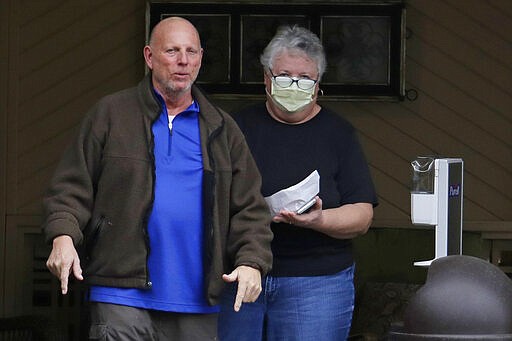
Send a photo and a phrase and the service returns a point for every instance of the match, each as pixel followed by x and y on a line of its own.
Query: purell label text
pixel 454 191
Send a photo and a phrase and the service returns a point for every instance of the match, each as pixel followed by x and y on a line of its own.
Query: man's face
pixel 174 56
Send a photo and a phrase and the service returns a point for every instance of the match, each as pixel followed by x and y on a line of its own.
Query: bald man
pixel 156 204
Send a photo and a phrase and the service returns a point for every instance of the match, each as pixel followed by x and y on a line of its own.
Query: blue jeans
pixel 315 308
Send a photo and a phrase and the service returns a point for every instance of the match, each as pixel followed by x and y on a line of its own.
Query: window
pixel 364 44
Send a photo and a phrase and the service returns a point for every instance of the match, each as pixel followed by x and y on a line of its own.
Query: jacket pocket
pixel 92 234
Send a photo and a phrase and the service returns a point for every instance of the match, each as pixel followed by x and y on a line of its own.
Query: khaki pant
pixel 120 323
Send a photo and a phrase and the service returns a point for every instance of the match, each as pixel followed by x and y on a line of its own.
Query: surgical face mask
pixel 292 98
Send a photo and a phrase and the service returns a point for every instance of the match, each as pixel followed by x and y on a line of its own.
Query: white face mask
pixel 292 98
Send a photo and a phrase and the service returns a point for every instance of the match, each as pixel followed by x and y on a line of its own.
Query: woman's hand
pixel 344 222
pixel 308 220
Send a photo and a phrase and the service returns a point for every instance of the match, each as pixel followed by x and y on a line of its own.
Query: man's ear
pixel 148 54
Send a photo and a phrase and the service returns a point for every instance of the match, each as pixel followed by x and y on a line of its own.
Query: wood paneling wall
pixel 64 55
pixel 59 57
pixel 70 53
pixel 459 60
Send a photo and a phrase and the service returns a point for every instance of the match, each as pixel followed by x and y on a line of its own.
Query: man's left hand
pixel 249 284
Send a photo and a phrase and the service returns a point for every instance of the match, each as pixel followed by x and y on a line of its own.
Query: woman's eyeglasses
pixel 286 81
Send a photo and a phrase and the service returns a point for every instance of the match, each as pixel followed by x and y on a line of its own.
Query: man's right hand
pixel 62 260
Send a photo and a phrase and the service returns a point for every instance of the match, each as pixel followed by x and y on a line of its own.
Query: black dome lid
pixel 464 297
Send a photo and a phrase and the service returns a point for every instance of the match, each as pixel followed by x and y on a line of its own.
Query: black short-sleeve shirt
pixel 285 155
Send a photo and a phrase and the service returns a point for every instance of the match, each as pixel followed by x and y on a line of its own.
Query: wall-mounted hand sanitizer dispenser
pixel 436 199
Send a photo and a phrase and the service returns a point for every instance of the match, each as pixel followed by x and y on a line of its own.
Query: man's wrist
pixel 62 238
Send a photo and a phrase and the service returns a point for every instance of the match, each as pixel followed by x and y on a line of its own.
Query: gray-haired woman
pixel 309 294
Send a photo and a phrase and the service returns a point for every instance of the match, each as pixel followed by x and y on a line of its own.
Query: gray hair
pixel 298 39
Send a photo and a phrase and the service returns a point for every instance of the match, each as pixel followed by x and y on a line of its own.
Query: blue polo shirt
pixel 175 225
